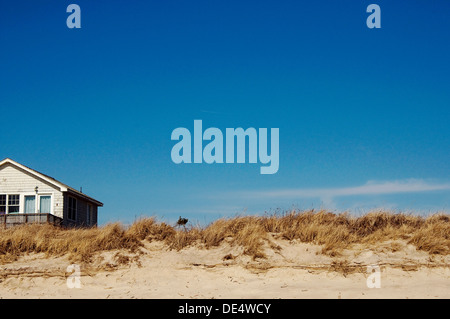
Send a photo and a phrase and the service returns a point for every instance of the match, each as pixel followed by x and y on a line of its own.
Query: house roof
pixel 62 187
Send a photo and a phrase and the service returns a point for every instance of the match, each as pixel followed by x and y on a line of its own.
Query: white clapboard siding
pixel 14 180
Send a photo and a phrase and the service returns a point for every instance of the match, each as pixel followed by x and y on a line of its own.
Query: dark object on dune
pixel 182 221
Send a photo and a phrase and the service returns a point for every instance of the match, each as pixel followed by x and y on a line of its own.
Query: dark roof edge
pixel 84 196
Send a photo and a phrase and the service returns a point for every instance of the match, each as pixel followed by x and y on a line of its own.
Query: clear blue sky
pixel 363 113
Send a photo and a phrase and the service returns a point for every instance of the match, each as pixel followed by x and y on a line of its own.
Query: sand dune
pixel 294 270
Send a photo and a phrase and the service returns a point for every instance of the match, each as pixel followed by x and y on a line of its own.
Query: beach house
pixel 28 196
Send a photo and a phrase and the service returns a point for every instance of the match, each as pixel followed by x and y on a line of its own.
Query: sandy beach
pixel 296 270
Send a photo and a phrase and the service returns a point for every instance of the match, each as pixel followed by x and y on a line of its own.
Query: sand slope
pixel 296 270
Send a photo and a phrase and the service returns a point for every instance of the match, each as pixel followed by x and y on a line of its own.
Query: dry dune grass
pixel 334 232
pixel 78 244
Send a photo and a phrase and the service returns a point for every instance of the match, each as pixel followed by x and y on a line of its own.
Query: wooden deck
pixel 10 220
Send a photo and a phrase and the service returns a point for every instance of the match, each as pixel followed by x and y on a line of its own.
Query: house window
pixel 2 204
pixel 45 204
pixel 13 203
pixel 9 203
pixel 89 215
pixel 72 210
pixel 30 204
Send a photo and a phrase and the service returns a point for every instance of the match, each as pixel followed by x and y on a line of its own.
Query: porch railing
pixel 10 220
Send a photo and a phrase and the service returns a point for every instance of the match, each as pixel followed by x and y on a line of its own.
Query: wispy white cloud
pixel 370 188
